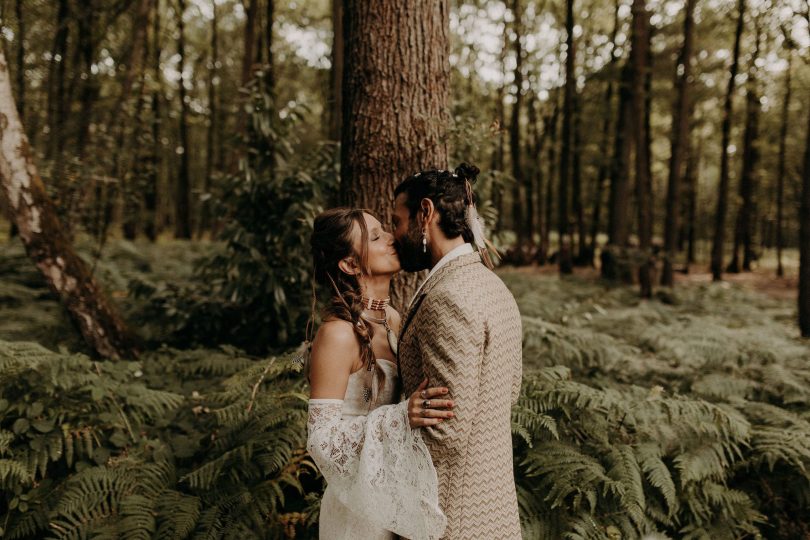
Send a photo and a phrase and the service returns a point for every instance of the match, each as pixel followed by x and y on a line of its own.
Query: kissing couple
pixel 409 416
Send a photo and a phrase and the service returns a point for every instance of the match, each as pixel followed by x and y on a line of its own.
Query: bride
pixel 381 480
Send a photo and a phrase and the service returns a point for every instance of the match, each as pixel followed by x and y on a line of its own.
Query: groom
pixel 463 331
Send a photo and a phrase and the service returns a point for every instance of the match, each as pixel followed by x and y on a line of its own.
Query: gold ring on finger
pixel 426 404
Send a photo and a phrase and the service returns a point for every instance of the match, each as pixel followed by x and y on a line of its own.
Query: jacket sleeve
pixel 517 368
pixel 452 357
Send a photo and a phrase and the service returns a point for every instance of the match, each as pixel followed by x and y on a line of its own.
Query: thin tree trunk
pixel 743 232
pixel 396 76
pixel 604 163
pixel 18 11
pixel 581 258
pixel 58 101
pixel 804 240
pixel 718 242
pixel 248 57
pixel 213 122
pixel 804 231
pixel 533 142
pixel 619 216
pixel 545 241
pixel 692 172
pixel 336 72
pixel 639 60
pixel 680 134
pixel 183 201
pixel 41 233
pixel 89 82
pixel 780 181
pixel 565 262
pixel 153 177
pixel 514 133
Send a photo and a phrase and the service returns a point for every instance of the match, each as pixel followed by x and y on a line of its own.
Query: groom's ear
pixel 349 266
pixel 428 210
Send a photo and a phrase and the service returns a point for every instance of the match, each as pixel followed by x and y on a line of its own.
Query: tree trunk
pixel 718 242
pixel 395 98
pixel 248 57
pixel 514 132
pixel 153 176
pixel 18 11
pixel 58 101
pixel 804 242
pixel 213 123
pixel 780 180
pixel 745 216
pixel 90 86
pixel 532 147
pixel 565 262
pixel 183 201
pixel 639 60
pixel 680 134
pixel 336 72
pixel 604 164
pixel 619 216
pixel 581 258
pixel 692 171
pixel 548 208
pixel 41 233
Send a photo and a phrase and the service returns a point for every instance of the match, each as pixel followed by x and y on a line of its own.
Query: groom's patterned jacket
pixel 463 331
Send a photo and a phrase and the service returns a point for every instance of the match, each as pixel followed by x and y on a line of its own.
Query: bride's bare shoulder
pixel 335 351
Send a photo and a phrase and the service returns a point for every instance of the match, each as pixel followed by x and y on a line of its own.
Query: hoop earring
pixel 424 242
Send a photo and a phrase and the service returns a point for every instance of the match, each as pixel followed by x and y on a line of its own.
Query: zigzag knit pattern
pixel 466 334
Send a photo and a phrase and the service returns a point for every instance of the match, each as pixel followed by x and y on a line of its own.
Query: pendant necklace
pixel 392 338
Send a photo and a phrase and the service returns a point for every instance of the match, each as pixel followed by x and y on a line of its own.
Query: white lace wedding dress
pixel 380 478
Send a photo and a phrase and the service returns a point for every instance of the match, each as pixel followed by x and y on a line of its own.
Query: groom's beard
pixel 411 256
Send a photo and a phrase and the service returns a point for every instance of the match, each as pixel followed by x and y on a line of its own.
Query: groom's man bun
pixel 448 191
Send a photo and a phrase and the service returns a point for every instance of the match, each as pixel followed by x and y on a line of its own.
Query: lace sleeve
pixel 378 467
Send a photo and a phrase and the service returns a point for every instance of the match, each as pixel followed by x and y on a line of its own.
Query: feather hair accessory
pixel 476 226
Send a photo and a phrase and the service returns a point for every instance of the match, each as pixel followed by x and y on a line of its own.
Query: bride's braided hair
pixel 331 242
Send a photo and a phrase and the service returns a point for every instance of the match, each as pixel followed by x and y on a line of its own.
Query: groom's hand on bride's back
pixel 429 406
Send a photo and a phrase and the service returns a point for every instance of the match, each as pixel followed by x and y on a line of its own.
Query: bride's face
pixel 382 257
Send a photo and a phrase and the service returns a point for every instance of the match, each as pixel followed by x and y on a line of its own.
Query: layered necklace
pixel 374 304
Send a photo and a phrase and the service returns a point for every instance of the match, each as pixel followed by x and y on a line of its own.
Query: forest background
pixel 161 163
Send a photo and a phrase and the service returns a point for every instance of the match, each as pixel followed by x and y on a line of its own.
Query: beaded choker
pixel 375 304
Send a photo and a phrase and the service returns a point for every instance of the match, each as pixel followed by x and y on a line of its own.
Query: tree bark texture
pixel 153 176
pixel 565 262
pixel 639 61
pixel 680 134
pixel 719 239
pixel 211 139
pixel 44 240
pixel 618 207
pixel 395 98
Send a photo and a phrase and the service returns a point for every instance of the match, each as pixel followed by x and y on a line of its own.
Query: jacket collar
pixel 432 281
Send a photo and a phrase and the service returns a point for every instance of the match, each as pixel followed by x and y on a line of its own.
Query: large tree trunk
pixel 604 163
pixel 639 61
pixel 780 180
pixel 336 72
pixel 395 95
pixel 680 135
pixel 514 132
pixel 804 242
pixel 183 197
pixel 42 235
pixel 565 262
pixel 719 240
pixel 20 38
